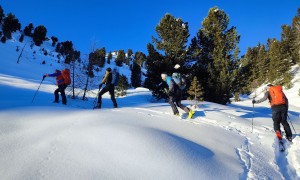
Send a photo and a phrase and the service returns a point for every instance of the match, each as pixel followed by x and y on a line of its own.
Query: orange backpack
pixel 66 75
pixel 277 95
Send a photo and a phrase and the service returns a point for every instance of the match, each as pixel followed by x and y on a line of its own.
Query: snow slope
pixel 139 140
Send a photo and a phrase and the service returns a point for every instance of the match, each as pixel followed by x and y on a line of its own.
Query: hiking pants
pixel 61 88
pixel 108 88
pixel 175 98
pixel 279 115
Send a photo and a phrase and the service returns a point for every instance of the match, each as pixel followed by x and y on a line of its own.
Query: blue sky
pixel 121 24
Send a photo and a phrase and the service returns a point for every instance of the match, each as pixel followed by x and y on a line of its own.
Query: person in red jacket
pixel 61 86
pixel 279 112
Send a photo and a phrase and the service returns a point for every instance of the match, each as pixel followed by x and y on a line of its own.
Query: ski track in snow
pixel 285 171
pixel 244 152
pixel 281 160
pixel 252 155
pixel 245 157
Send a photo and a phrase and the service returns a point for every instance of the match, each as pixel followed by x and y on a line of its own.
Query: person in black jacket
pixel 279 114
pixel 109 87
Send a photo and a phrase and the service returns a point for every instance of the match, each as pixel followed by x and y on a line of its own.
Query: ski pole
pixel 37 90
pixel 291 123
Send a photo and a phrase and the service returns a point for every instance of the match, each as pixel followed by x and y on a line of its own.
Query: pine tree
pixel 109 57
pixel 254 62
pixel 287 42
pixel 243 77
pixel 262 64
pixel 195 91
pixel 120 58
pixel 65 49
pixel 296 38
pixel 136 75
pixel 139 58
pixel 129 57
pixel 252 71
pixel 152 76
pixel 39 35
pixel 11 24
pixel 123 85
pixel 279 70
pixel 1 14
pixel 172 35
pixel 194 51
pixel 28 30
pixel 155 65
pixel 218 45
pixel 101 55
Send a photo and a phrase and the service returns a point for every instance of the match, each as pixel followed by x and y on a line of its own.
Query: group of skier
pixel 108 80
pixel 275 95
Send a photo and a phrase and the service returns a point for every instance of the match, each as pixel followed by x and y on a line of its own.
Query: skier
pixel 279 106
pixel 174 93
pixel 107 80
pixel 61 86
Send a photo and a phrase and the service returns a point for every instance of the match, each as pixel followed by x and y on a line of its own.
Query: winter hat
pixel 177 66
pixel 268 86
pixel 163 75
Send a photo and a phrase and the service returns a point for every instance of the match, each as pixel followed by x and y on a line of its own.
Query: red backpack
pixel 66 75
pixel 277 95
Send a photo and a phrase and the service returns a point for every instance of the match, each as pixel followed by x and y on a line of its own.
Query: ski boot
pixel 191 114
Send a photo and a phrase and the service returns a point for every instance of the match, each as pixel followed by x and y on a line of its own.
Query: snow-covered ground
pixel 138 140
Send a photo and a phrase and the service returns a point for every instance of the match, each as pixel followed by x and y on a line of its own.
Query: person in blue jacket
pixel 174 93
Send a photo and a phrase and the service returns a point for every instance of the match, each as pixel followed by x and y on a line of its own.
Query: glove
pixel 44 77
pixel 253 101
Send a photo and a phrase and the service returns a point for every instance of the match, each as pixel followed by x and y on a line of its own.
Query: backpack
pixel 66 75
pixel 179 80
pixel 277 95
pixel 115 78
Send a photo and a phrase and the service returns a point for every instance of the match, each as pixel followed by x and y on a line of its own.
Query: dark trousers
pixel 279 115
pixel 108 88
pixel 175 101
pixel 61 88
